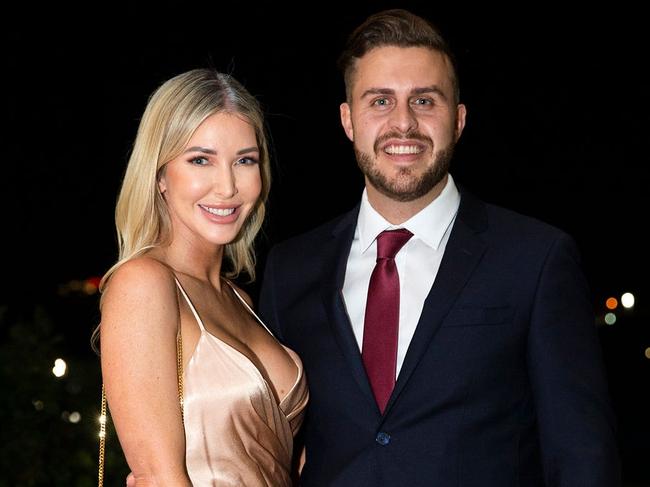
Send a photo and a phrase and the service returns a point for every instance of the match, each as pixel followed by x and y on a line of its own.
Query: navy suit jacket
pixel 502 385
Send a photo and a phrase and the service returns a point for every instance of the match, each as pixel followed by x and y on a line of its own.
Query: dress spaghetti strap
pixel 189 303
pixel 249 308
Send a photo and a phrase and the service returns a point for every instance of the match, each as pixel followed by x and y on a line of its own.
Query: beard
pixel 407 185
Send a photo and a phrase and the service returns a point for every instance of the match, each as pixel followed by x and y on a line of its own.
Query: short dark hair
pixel 395 27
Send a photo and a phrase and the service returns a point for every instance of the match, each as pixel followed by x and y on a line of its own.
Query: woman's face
pixel 213 185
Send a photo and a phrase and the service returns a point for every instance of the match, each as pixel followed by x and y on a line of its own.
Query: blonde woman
pixel 191 203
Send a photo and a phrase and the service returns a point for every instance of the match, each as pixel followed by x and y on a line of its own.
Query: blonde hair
pixel 173 113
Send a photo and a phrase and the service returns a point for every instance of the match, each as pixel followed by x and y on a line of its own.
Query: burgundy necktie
pixel 381 325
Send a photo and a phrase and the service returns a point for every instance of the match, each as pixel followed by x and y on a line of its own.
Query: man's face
pixel 403 120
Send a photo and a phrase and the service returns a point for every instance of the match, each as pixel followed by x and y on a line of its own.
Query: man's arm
pixel 575 419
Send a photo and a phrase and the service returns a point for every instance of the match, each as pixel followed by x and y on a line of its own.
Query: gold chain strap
pixel 103 416
pixel 179 370
pixel 102 437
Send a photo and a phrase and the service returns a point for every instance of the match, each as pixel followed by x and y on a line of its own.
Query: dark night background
pixel 558 119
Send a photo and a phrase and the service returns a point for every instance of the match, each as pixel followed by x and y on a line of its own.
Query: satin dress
pixel 236 433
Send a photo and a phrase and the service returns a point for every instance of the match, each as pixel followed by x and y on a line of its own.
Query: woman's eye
pixel 199 161
pixel 247 160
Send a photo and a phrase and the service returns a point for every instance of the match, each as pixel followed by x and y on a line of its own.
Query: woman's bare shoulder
pixel 143 289
pixel 141 275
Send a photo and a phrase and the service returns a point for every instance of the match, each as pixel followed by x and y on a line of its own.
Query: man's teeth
pixel 402 149
pixel 219 211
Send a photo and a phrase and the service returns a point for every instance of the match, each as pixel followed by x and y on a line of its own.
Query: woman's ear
pixel 162 187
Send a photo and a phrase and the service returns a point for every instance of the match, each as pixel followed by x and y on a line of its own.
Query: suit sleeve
pixel 575 419
pixel 267 304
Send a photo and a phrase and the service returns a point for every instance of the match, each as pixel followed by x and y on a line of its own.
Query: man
pixel 467 356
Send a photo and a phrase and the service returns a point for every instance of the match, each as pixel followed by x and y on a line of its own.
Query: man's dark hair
pixel 396 27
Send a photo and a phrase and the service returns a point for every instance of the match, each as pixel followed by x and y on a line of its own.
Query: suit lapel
pixel 337 253
pixel 463 252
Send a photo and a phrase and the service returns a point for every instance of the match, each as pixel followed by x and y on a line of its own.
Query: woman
pixel 191 203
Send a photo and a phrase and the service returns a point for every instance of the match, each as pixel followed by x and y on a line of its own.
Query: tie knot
pixel 389 242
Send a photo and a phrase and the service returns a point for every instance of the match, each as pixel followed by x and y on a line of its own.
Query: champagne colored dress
pixel 236 433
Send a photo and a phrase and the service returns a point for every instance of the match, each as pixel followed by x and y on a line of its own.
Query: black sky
pixel 558 116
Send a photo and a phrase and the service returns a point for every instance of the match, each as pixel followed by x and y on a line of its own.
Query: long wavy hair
pixel 172 115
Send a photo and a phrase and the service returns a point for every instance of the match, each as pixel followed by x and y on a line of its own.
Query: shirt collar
pixel 428 225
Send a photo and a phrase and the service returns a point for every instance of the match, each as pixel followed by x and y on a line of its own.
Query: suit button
pixel 382 438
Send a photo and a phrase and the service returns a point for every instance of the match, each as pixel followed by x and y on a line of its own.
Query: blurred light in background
pixel 611 303
pixel 71 417
pixel 627 300
pixel 84 287
pixel 59 368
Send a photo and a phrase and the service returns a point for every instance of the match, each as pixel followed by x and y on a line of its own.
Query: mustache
pixel 410 135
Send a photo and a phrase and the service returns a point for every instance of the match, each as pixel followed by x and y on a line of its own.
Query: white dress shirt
pixel 417 262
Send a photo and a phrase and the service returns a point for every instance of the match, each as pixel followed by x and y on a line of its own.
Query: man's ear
pixel 346 120
pixel 461 114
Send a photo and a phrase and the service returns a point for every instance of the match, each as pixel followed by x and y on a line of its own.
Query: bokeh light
pixel 610 318
pixel 59 368
pixel 627 300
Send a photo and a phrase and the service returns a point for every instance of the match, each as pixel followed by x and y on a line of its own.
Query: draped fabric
pixel 236 433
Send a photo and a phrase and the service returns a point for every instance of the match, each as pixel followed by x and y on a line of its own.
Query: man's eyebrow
pixel 377 91
pixel 415 91
pixel 429 89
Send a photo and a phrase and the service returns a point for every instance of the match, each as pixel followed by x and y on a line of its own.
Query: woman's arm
pixel 140 319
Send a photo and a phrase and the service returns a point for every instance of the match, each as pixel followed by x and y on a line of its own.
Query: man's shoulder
pixel 318 235
pixel 508 223
pixel 521 224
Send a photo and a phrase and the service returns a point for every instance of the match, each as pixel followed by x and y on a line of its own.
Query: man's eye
pixel 422 101
pixel 382 102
